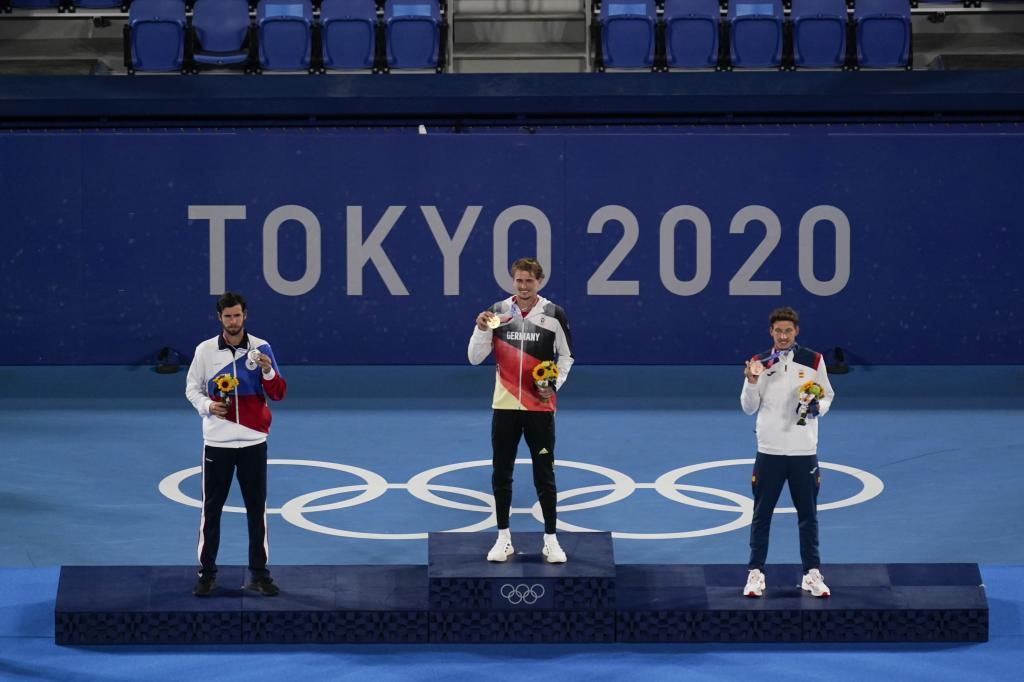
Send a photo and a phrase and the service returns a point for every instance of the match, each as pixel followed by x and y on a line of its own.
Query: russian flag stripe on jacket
pixel 248 419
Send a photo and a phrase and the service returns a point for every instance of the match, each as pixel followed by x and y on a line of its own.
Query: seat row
pixel 284 35
pixel 693 34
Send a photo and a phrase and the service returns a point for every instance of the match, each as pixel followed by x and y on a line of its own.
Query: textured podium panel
pixel 460 597
pixel 523 599
pixel 869 602
pixel 340 604
pixel 146 605
pixel 155 605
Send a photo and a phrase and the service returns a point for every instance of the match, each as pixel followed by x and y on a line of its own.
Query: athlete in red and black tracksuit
pixel 520 343
pixel 235 429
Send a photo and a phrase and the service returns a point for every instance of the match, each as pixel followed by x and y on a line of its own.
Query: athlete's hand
pixel 749 371
pixel 545 393
pixel 264 362
pixel 481 320
pixel 219 410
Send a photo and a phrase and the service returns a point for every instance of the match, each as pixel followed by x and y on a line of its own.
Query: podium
pixel 461 597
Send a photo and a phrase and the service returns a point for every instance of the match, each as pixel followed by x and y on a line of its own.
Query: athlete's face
pixel 526 285
pixel 784 334
pixel 233 320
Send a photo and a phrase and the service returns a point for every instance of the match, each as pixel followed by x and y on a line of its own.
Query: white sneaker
pixel 755 584
pixel 814 583
pixel 501 551
pixel 553 552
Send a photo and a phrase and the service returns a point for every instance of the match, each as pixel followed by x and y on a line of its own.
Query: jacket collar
pixel 539 305
pixel 224 345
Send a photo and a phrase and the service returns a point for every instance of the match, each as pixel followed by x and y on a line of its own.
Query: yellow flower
pixel 811 388
pixel 226 383
pixel 545 371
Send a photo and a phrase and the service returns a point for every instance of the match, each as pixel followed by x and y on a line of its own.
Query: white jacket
pixel 775 398
pixel 248 419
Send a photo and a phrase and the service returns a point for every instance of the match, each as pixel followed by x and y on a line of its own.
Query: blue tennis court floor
pixel 920 465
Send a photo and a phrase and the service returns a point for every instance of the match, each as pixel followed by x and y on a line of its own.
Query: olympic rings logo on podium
pixel 621 486
pixel 522 593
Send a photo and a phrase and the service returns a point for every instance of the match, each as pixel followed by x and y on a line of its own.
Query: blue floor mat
pixel 85 450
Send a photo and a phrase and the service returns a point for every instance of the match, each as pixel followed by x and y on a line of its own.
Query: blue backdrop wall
pixel 899 243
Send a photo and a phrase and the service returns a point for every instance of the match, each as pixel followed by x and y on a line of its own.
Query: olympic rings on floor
pixel 667 485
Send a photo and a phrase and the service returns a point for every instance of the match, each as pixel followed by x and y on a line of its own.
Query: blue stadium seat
pixel 413 33
pixel 819 33
pixel 220 34
pixel 348 33
pixel 883 33
pixel 99 4
pixel 155 35
pixel 285 30
pixel 691 33
pixel 627 33
pixel 755 33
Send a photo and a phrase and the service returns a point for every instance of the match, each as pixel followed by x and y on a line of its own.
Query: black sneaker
pixel 204 587
pixel 264 585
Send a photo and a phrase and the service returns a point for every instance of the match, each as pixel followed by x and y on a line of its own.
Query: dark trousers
pixel 771 472
pixel 507 427
pixel 219 464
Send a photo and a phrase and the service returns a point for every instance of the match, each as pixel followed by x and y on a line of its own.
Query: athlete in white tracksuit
pixel 786 451
pixel 235 429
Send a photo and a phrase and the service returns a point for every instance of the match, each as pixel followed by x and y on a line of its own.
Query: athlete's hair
pixel 530 265
pixel 785 314
pixel 229 299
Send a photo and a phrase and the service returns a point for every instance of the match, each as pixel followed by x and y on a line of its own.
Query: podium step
pixel 320 604
pixel 869 603
pixel 523 599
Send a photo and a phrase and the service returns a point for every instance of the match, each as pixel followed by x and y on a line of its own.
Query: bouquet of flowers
pixel 808 397
pixel 545 374
pixel 226 385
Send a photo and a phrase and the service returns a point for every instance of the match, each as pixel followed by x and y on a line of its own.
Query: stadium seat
pixel 221 34
pixel 628 33
pixel 755 33
pixel 155 35
pixel 285 32
pixel 349 33
pixel 819 33
pixel 691 33
pixel 413 33
pixel 883 33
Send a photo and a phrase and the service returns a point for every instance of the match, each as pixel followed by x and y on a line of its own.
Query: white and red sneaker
pixel 815 584
pixel 755 584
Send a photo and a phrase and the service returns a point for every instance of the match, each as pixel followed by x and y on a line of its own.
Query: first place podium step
pixel 524 599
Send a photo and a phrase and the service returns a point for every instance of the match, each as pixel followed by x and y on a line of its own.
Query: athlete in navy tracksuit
pixel 235 428
pixel 530 329
pixel 786 451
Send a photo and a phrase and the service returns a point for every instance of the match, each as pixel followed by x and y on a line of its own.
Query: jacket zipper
pixel 521 342
pixel 234 372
